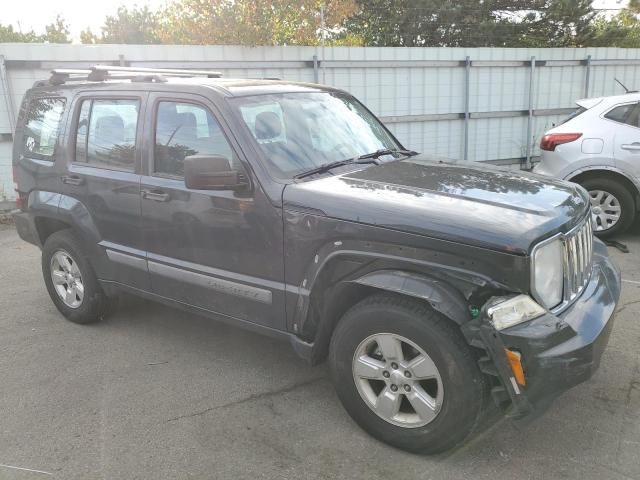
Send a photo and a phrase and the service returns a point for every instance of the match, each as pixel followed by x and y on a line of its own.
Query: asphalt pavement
pixel 156 393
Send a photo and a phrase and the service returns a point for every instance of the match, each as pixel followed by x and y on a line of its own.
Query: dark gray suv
pixel 434 288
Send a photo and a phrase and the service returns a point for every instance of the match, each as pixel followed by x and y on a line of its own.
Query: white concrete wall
pixel 390 81
pixel 6 177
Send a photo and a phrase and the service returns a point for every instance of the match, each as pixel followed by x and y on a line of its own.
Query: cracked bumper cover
pixel 558 351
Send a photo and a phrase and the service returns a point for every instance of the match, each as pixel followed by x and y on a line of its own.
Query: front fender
pixel 440 295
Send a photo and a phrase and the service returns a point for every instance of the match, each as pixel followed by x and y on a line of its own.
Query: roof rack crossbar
pixel 100 73
pixel 165 71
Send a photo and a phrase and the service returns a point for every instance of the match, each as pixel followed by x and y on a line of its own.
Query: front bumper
pixel 557 351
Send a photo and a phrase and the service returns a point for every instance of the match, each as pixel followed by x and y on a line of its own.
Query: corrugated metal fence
pixel 479 104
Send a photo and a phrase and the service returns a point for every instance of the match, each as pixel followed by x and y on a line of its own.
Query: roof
pixel 228 87
pixel 139 78
pixel 609 100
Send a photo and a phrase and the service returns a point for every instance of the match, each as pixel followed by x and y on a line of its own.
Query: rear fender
pixel 70 211
pixel 606 168
pixel 76 214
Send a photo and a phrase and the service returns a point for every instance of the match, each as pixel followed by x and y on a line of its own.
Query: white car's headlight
pixel 548 273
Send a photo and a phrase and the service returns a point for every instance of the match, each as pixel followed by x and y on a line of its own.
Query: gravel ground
pixel 155 393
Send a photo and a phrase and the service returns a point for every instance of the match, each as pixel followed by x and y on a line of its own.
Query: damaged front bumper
pixel 557 351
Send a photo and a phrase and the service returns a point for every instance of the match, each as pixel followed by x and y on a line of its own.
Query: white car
pixel 598 147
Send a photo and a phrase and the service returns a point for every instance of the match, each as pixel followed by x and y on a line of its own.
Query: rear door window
pixel 42 125
pixel 106 133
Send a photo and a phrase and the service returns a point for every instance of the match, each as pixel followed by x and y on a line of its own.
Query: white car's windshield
pixel 298 132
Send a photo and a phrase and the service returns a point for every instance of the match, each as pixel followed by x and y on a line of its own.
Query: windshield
pixel 301 131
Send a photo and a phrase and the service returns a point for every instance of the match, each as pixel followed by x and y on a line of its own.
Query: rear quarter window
pixel 627 113
pixel 41 127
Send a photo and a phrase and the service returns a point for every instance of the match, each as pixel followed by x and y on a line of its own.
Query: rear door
pixel 104 176
pixel 219 250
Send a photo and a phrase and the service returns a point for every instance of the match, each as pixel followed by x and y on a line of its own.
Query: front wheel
pixel 406 375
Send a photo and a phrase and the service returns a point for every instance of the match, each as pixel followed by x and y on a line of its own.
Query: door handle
pixel 155 195
pixel 635 146
pixel 72 180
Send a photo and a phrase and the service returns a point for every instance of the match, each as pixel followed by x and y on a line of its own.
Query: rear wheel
pixel 612 206
pixel 70 280
pixel 406 375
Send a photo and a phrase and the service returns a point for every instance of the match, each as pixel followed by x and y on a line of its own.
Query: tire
pixel 461 388
pixel 622 196
pixel 91 305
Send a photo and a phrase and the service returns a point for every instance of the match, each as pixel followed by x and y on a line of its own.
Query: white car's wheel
pixel 612 206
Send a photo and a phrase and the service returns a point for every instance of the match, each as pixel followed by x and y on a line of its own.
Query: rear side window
pixel 627 114
pixel 106 133
pixel 184 129
pixel 42 125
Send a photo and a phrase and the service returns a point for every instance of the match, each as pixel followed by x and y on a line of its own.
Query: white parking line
pixel 24 469
pixel 630 281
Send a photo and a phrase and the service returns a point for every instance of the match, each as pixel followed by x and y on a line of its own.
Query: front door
pixel 219 250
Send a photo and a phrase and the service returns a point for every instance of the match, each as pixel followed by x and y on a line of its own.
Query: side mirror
pixel 211 172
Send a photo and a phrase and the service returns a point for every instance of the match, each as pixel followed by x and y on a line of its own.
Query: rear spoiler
pixel 588 103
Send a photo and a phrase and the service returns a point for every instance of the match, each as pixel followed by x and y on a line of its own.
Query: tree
pixel 512 23
pixel 413 23
pixel 623 30
pixel 56 32
pixel 9 35
pixel 135 25
pixel 87 36
pixel 252 22
pixel 560 23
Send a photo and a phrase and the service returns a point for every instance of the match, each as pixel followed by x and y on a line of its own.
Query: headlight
pixel 505 313
pixel 548 273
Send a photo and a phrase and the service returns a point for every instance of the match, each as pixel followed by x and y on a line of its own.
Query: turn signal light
pixel 516 366
pixel 550 141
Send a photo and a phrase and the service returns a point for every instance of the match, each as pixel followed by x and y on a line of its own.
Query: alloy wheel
pixel 66 278
pixel 398 380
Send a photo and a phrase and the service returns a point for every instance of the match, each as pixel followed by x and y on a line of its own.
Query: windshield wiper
pixel 387 151
pixel 328 166
pixel 366 158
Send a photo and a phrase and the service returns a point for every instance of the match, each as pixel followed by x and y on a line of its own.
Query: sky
pixel 79 14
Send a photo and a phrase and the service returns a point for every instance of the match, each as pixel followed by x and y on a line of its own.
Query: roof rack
pixel 100 73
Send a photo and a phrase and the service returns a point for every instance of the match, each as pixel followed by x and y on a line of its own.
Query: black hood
pixel 467 202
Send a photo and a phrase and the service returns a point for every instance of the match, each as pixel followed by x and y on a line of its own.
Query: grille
pixel 578 247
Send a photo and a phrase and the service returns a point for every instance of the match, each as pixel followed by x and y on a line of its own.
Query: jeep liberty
pixel 435 289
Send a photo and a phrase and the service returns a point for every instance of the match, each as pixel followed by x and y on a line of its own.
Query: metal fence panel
pixel 422 94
